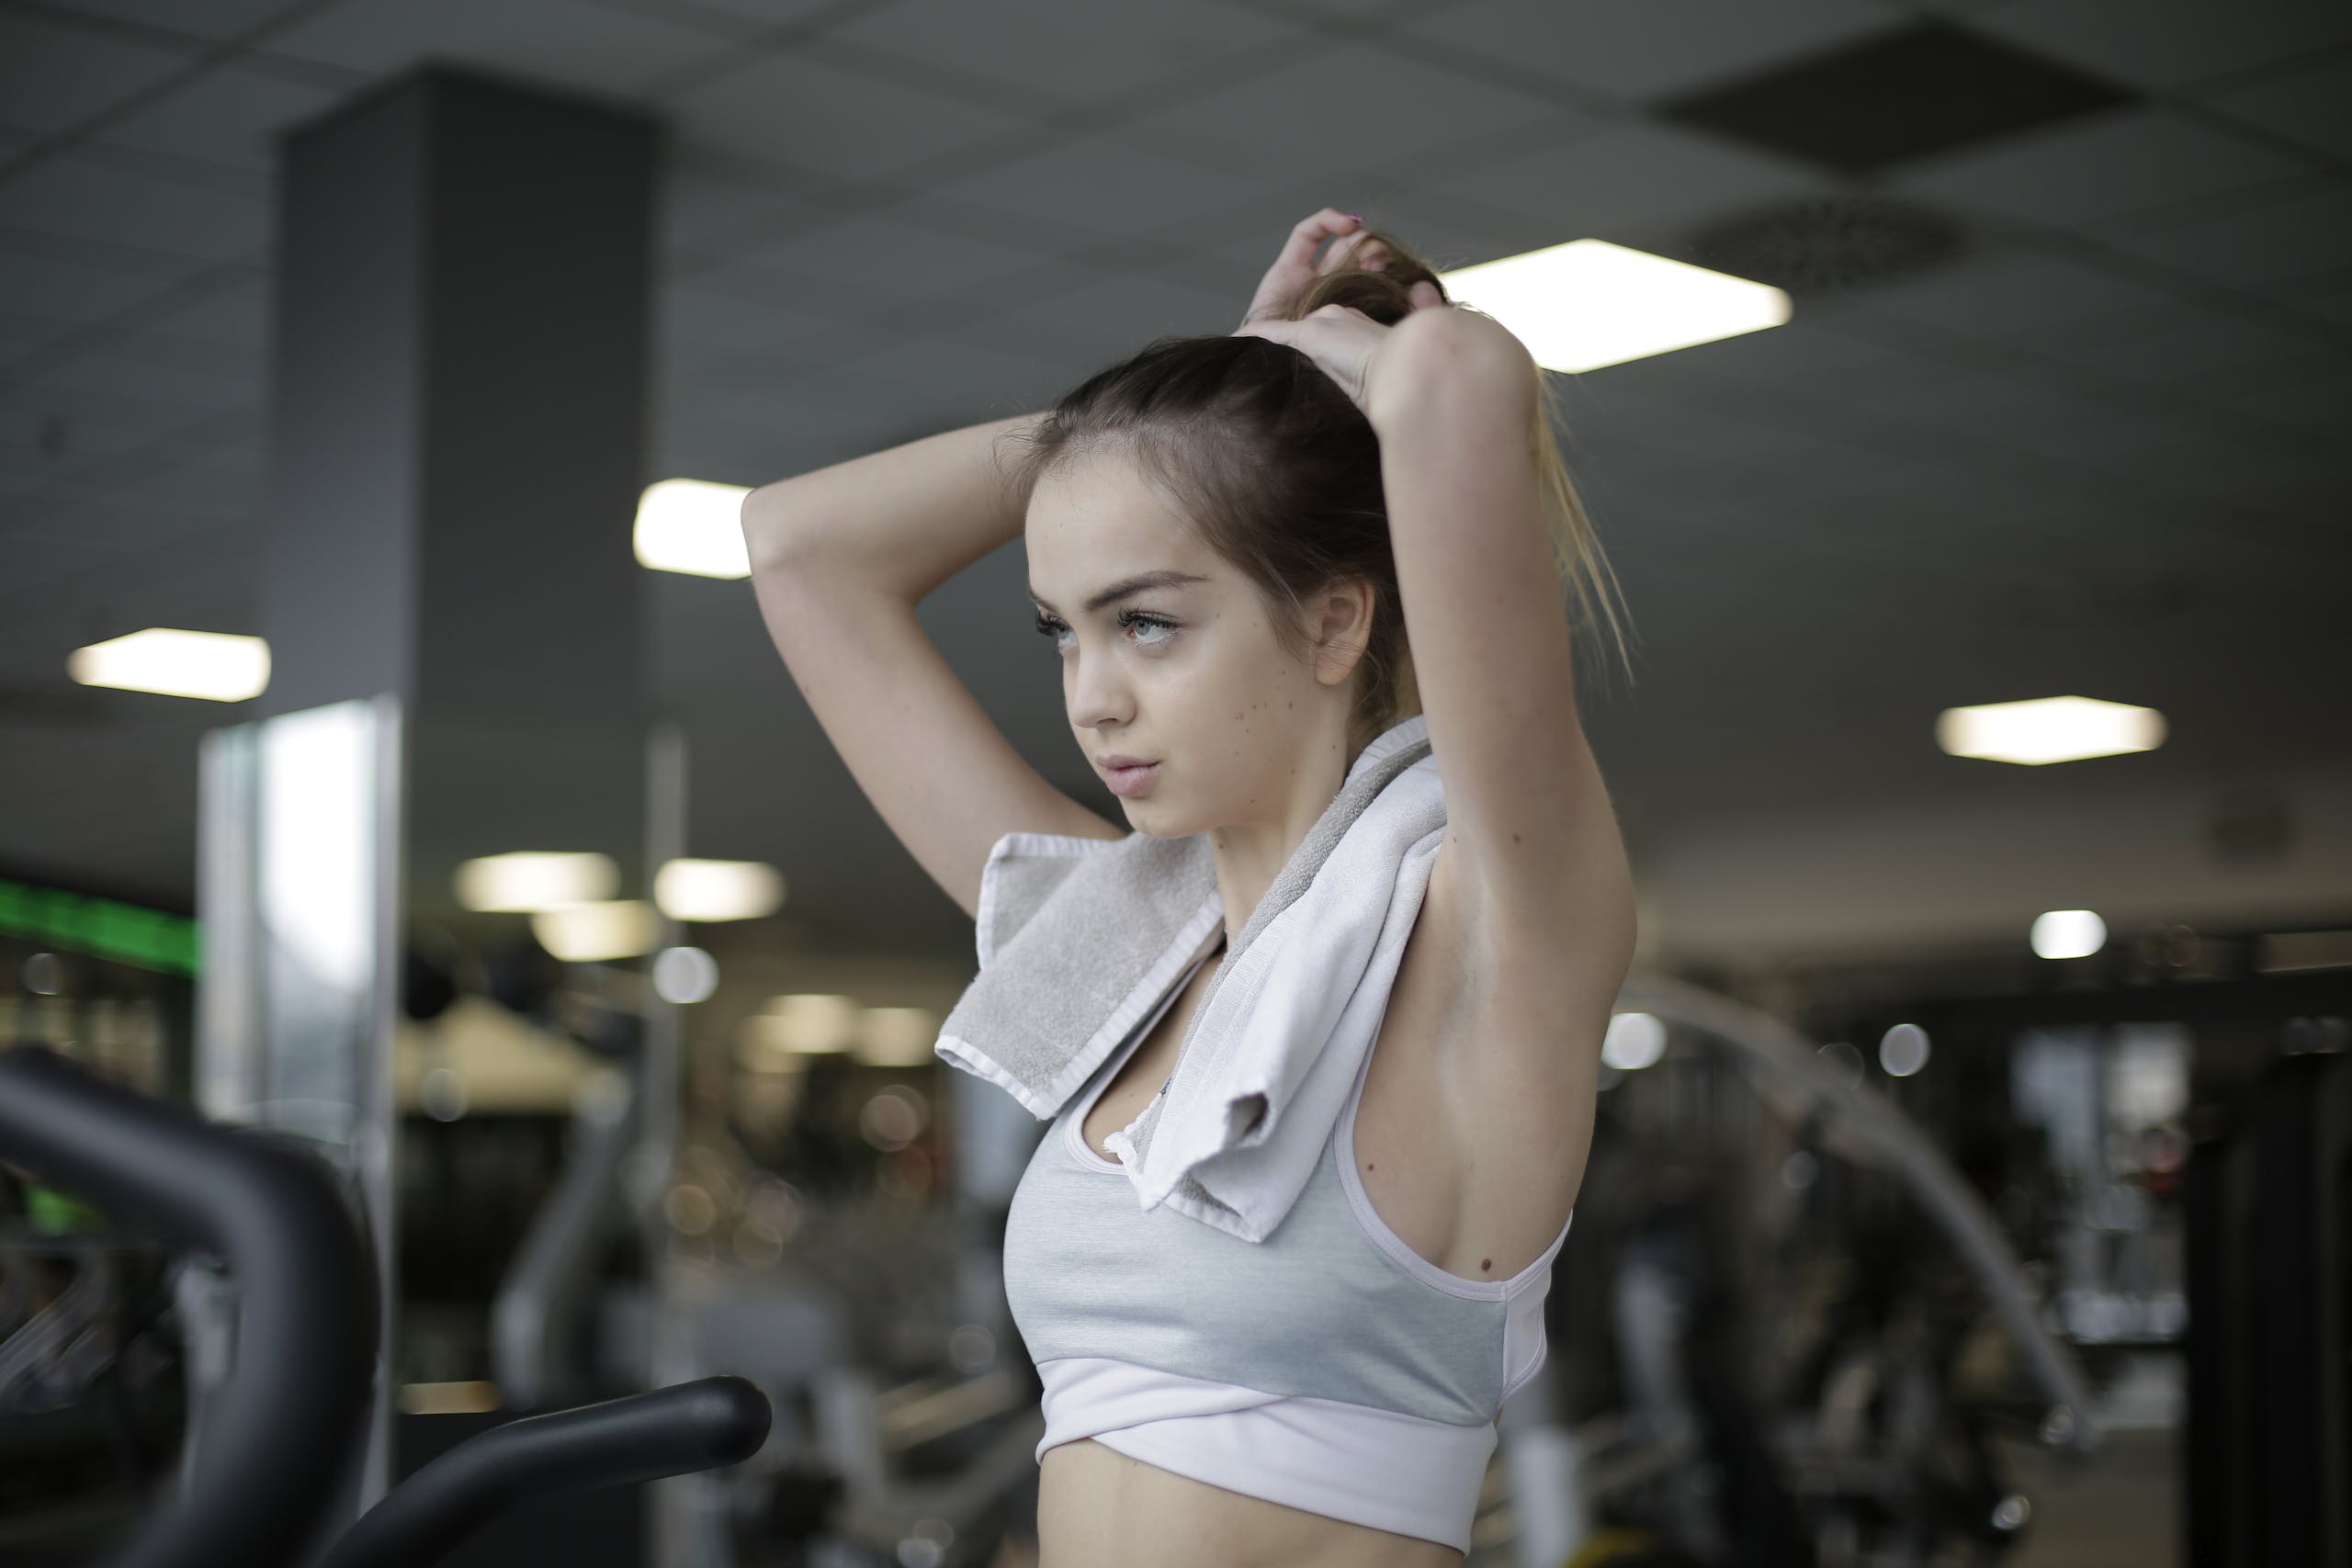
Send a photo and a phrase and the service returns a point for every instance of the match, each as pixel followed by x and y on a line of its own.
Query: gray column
pixel 460 400
pixel 458 420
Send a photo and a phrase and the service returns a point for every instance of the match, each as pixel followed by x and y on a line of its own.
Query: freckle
pixel 1370 1165
pixel 1514 838
pixel 1485 1263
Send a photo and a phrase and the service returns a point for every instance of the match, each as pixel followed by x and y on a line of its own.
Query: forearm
pixel 907 518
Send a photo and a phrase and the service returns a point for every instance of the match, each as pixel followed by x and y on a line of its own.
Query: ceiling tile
pixel 2164 43
pixel 1984 411
pixel 1809 356
pixel 1653 49
pixel 703 194
pixel 1063 52
pixel 116 523
pixel 2305 102
pixel 2259 248
pixel 1097 188
pixel 1113 319
pixel 75 194
pixel 212 20
pixel 1998 292
pixel 59 75
pixel 221 495
pixel 1621 181
pixel 895 257
pixel 983 375
pixel 2107 166
pixel 1894 96
pixel 229 115
pixel 234 315
pixel 71 433
pixel 698 328
pixel 24 334
pixel 39 562
pixel 802 116
pixel 551 40
pixel 2326 295
pixel 1307 120
pixel 139 373
pixel 753 439
pixel 2174 343
pixel 758 16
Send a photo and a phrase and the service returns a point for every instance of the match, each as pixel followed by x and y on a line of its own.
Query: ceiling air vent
pixel 1923 88
pixel 1825 244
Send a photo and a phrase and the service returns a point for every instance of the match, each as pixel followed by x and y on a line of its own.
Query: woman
pixel 1230 540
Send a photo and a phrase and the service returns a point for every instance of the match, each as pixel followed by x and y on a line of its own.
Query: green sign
pixel 148 939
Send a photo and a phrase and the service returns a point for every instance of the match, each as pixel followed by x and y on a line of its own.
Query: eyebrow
pixel 1127 590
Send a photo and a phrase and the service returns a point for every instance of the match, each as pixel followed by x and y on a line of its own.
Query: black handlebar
pixel 276 1444
pixel 693 1426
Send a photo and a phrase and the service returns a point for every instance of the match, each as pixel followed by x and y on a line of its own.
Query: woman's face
pixel 1184 671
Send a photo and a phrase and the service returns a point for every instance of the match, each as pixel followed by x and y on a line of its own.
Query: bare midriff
pixel 1095 1507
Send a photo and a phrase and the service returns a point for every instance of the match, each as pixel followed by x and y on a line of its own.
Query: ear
pixel 1341 618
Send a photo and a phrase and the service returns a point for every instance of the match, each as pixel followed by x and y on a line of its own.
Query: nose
pixel 1096 694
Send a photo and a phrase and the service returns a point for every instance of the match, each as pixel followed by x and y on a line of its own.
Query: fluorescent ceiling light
pixel 717 889
pixel 897 1037
pixel 530 880
pixel 694 526
pixel 594 933
pixel 2068 933
pixel 215 666
pixel 807 1023
pixel 2049 730
pixel 1589 303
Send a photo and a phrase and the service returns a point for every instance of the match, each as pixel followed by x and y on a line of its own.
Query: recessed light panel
pixel 531 880
pixel 1589 303
pixel 692 526
pixel 215 666
pixel 2049 730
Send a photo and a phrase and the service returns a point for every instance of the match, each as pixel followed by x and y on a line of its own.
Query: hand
pixel 1297 267
pixel 1341 340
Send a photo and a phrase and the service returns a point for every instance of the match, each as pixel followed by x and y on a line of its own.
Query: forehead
pixel 1098 508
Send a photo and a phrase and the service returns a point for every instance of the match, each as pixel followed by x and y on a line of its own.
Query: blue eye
pixel 1052 626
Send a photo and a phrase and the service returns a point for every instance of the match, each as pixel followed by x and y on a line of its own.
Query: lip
pixel 1116 760
pixel 1133 779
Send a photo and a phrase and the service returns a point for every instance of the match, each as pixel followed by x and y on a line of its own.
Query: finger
pixel 1359 249
pixel 1294 265
pixel 1298 250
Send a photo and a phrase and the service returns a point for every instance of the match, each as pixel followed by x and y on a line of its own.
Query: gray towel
pixel 1080 939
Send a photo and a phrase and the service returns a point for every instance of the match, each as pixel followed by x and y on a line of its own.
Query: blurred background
pixel 1973 1170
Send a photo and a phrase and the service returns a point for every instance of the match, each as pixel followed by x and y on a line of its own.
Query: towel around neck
pixel 1080 939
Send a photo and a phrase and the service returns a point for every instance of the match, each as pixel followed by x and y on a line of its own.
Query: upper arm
pixel 926 755
pixel 1539 877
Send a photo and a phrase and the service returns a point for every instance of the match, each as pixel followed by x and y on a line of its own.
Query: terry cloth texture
pixel 1079 939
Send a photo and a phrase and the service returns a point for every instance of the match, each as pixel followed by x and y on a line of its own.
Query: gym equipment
pixel 2269 1265
pixel 1859 1444
pixel 282 1429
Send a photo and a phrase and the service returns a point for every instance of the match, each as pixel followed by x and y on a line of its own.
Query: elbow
pixel 771 538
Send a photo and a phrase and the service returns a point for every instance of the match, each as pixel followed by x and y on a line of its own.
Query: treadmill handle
pixel 688 1426
pixel 284 1425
